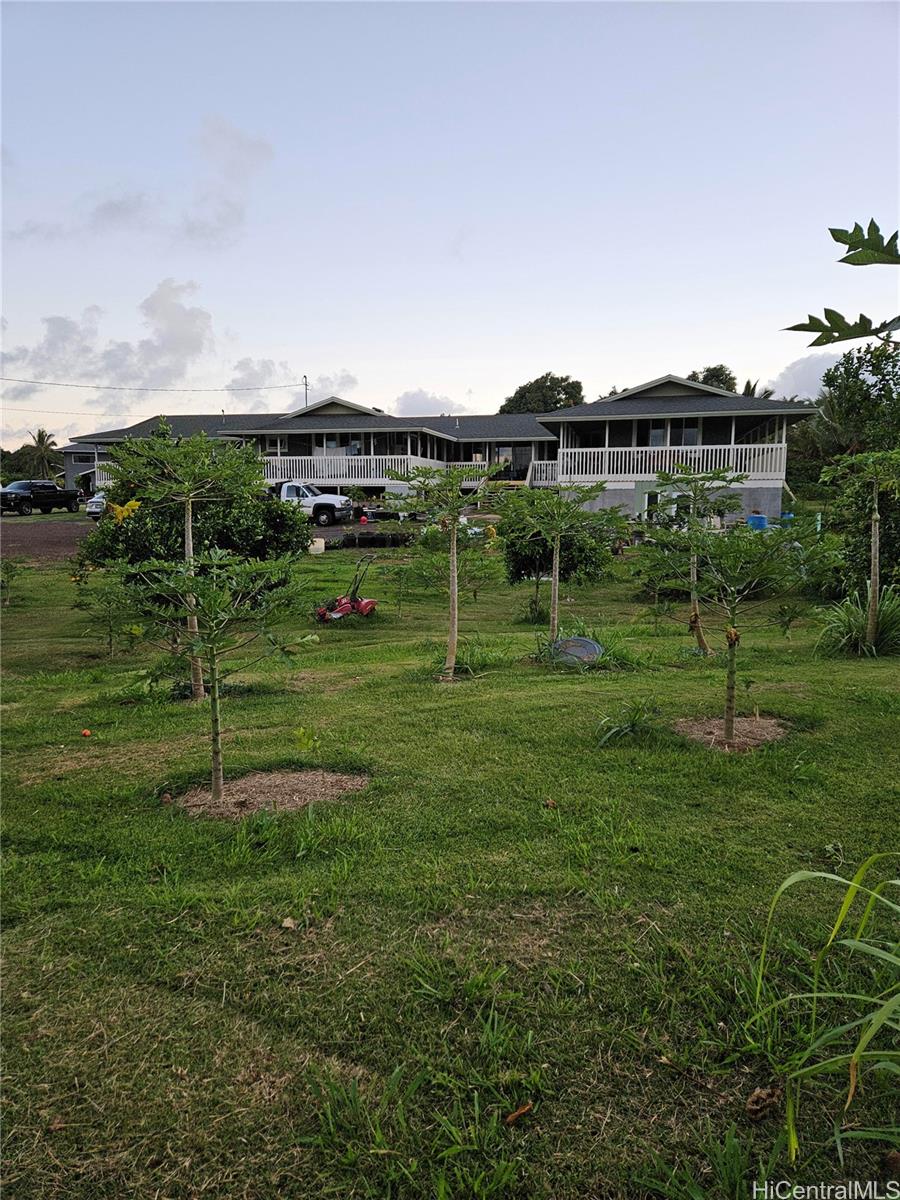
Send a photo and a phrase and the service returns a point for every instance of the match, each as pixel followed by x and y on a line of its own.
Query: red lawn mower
pixel 349 605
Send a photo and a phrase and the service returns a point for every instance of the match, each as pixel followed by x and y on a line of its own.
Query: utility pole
pixel 305 391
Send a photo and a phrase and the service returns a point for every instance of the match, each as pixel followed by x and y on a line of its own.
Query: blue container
pixel 758 521
pixel 785 517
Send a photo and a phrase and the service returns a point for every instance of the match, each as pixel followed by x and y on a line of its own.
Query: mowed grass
pixel 507 916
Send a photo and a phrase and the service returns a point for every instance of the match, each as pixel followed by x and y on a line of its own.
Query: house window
pixel 504 454
pixel 684 431
pixel 276 445
pixel 717 431
pixel 651 433
pixel 620 433
pixel 83 458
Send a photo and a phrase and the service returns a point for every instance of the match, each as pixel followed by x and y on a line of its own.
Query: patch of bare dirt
pixel 276 791
pixel 43 539
pixel 749 732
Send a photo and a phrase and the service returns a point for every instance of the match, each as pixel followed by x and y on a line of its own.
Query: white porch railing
pixel 644 462
pixel 369 469
pixel 542 473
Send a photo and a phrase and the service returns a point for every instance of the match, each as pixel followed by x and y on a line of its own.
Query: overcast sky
pixel 421 206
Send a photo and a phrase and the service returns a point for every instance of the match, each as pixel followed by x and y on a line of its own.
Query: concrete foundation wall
pixel 764 498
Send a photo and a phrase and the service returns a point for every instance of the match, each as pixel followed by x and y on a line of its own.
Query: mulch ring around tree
pixel 749 732
pixel 275 791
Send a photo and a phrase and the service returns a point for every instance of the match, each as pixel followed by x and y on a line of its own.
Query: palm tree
pixel 753 389
pixel 44 454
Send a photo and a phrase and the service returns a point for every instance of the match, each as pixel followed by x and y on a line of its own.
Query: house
pixel 628 438
pixel 624 440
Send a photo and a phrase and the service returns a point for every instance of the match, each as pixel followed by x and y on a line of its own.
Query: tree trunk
pixel 696 625
pixel 554 590
pixel 453 634
pixel 874 572
pixel 730 680
pixel 218 781
pixel 198 692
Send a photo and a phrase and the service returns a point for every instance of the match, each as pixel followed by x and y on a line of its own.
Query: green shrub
pixel 845 626
pixel 637 721
pixel 258 528
pixel 850 516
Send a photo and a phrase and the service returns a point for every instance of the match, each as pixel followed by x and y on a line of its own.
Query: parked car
pixel 96 506
pixel 23 496
pixel 324 508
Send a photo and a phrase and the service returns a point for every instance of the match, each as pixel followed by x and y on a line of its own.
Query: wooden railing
pixel 353 469
pixel 645 462
pixel 542 473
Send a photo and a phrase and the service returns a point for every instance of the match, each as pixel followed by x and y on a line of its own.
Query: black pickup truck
pixel 25 495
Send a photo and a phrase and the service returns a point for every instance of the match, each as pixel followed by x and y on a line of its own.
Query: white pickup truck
pixel 324 508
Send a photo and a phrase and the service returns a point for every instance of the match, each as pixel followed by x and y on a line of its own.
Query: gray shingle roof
pixel 681 398
pixel 463 428
pixel 676 406
pixel 183 426
pixel 524 426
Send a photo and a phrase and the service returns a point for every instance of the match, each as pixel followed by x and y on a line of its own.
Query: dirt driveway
pixel 50 538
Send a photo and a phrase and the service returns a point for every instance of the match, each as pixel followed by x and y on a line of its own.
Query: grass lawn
pixel 506 916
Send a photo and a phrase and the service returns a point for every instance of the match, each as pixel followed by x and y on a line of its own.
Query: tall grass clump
pixel 846 626
pixel 843 1023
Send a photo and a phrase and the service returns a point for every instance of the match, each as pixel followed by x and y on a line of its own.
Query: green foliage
pixel 547 393
pixel 860 479
pixel 585 551
pixel 845 623
pixel 866 247
pixel 618 653
pixel 234 602
pixel 109 604
pixel 43 455
pixel 841 1026
pixel 166 470
pixel 733 1167
pixel 477 566
pixel 636 721
pixel 475 655
pixel 860 409
pixel 258 527
pixel 849 515
pixel 718 376
pixel 10 567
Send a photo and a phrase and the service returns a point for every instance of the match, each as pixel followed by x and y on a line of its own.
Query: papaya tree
pixel 879 471
pixel 161 470
pixel 444 496
pixel 585 552
pixel 556 513
pixel 740 574
pixel 234 603
pixel 704 495
pixel 865 248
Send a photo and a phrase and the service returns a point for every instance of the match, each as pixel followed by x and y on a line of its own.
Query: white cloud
pixel 419 403
pixel 179 341
pixel 73 351
pixel 213 217
pixel 803 376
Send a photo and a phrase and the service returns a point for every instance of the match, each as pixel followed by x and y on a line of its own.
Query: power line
pixel 109 387
pixel 72 412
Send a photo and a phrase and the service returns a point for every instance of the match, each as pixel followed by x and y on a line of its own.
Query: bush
pixel 845 626
pixel 259 528
pixel 585 556
pixel 851 516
